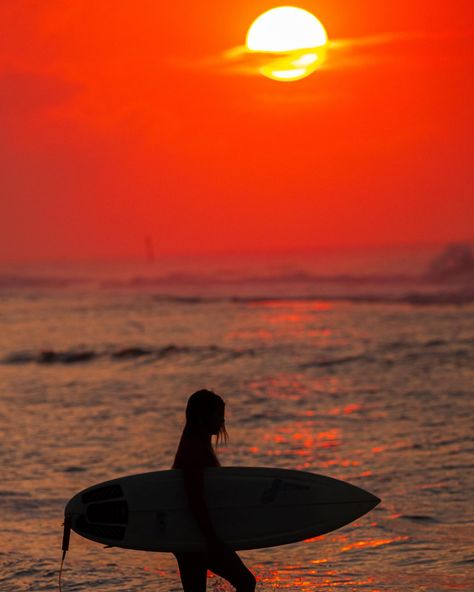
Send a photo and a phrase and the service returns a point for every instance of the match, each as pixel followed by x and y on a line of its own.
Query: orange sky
pixel 120 119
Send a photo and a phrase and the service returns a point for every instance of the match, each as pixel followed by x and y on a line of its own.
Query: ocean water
pixel 357 365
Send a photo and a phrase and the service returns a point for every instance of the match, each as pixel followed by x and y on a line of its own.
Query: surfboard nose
pixel 375 499
pixel 372 499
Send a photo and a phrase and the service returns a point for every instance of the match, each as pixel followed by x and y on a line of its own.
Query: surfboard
pixel 250 508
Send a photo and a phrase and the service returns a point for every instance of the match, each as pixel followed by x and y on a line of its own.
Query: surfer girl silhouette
pixel 205 418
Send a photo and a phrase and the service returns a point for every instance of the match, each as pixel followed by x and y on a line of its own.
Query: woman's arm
pixel 192 459
pixel 193 477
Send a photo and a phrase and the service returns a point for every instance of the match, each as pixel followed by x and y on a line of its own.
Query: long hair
pixel 201 407
pixel 200 410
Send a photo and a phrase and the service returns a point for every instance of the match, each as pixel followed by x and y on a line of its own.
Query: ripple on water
pixel 419 518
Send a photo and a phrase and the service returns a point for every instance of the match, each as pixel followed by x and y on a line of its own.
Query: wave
pixel 391 352
pixel 289 280
pixel 415 298
pixel 292 293
pixel 20 281
pixel 439 352
pixel 177 279
pixel 286 278
pixel 327 362
pixel 419 518
pixel 81 356
pixel 447 279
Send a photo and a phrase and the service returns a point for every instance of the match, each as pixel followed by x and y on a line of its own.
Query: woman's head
pixel 205 414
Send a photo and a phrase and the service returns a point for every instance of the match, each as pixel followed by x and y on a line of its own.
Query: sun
pixel 294 33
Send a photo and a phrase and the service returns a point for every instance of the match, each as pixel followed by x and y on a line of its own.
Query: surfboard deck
pixel 250 507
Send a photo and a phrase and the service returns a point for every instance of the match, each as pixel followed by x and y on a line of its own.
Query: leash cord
pixel 65 546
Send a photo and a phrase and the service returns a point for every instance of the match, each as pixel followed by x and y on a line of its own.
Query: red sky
pixel 120 119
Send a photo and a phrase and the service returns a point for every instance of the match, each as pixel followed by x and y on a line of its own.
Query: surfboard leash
pixel 65 546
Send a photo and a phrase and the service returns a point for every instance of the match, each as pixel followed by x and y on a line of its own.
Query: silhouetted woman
pixel 205 418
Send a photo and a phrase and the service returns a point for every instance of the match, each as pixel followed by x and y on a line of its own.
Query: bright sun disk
pixel 295 33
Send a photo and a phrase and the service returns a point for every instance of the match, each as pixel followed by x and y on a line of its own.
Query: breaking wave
pixel 80 356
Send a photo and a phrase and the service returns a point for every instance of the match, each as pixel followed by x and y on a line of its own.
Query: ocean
pixel 353 363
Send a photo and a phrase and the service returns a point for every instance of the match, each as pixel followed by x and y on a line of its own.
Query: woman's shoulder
pixel 193 453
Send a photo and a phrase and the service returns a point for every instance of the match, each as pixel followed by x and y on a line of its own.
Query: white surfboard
pixel 250 508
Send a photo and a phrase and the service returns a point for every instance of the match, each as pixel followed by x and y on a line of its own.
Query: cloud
pixel 370 50
pixel 341 53
pixel 236 60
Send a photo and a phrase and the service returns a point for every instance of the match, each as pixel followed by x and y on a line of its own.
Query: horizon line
pixel 308 249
